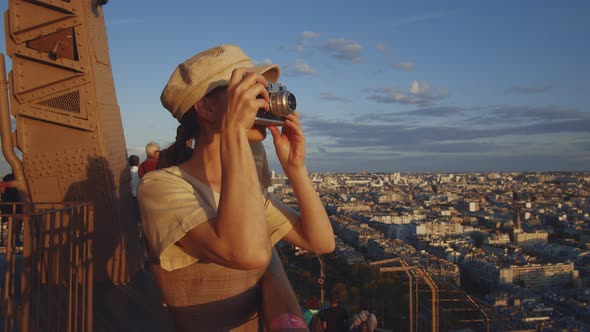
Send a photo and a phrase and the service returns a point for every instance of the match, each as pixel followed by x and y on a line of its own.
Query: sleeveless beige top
pixel 201 295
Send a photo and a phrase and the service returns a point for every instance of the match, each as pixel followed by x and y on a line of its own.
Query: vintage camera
pixel 282 103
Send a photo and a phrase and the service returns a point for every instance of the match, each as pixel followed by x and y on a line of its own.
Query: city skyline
pixel 382 86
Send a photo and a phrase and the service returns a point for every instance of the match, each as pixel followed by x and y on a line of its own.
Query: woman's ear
pixel 204 109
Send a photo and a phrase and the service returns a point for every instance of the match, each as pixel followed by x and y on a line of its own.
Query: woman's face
pixel 218 100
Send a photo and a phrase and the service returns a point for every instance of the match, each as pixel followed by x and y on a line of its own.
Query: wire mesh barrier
pixel 46 267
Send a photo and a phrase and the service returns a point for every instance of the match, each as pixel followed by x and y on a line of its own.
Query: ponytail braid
pixel 179 152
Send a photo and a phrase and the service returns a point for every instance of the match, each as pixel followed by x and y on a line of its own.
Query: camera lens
pixel 282 103
pixel 291 102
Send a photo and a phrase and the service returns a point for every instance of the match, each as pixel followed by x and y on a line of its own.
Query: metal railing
pixel 46 267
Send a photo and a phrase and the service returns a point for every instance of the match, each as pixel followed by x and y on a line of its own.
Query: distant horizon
pixel 470 172
pixel 432 86
pixel 275 166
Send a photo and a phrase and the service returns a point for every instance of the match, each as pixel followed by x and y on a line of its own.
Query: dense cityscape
pixel 464 88
pixel 513 243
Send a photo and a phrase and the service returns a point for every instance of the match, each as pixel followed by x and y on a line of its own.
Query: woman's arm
pixel 313 232
pixel 238 237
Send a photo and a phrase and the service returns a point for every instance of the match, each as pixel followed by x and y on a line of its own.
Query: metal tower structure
pixel 435 305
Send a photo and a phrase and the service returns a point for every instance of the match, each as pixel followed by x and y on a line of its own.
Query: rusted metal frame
pixel 386 261
pixel 81 262
pixel 43 316
pixel 29 254
pixel 89 271
pixel 2 231
pixel 25 283
pixel 487 318
pixel 78 240
pixel 7 299
pixel 413 270
pixel 474 303
pixel 61 242
pixel 54 236
pixel 67 242
pixel 51 262
pixel 6 136
pixel 71 271
pixel 58 264
pixel 70 18
pixel 416 307
pixel 72 309
pixel 78 304
pixel 406 269
pixel 418 271
pixel 435 303
pixel 44 208
pixel 39 257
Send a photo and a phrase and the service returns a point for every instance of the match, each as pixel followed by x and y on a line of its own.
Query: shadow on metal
pixel 47 267
pixel 46 276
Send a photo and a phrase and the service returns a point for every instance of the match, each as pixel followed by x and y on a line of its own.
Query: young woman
pixel 209 224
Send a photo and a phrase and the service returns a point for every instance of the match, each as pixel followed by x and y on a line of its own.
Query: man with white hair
pixel 152 150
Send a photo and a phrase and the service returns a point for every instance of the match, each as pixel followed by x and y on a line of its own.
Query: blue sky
pixel 383 86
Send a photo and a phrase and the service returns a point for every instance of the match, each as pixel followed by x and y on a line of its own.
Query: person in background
pixel 210 225
pixel 335 318
pixel 9 194
pixel 311 317
pixel 134 169
pixel 364 321
pixel 152 151
pixel 7 182
pixel 261 161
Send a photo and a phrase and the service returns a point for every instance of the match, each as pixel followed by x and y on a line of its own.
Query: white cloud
pixel 267 61
pixel 304 68
pixel 424 90
pixel 480 138
pixel 382 47
pixel 405 65
pixel 298 48
pixel 303 41
pixel 416 89
pixel 532 89
pixel 298 67
pixel 419 93
pixel 332 97
pixel 343 49
pixel 310 35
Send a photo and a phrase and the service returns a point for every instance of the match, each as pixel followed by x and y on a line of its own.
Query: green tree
pixel 340 291
pixel 385 292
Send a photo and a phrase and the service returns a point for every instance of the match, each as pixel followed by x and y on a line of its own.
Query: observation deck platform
pixel 132 307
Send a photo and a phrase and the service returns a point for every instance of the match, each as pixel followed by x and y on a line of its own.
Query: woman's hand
pixel 313 232
pixel 289 143
pixel 246 94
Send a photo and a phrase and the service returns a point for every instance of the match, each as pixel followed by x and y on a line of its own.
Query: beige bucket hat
pixel 199 75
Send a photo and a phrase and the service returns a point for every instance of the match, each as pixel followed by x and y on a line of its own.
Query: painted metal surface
pixel 68 122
